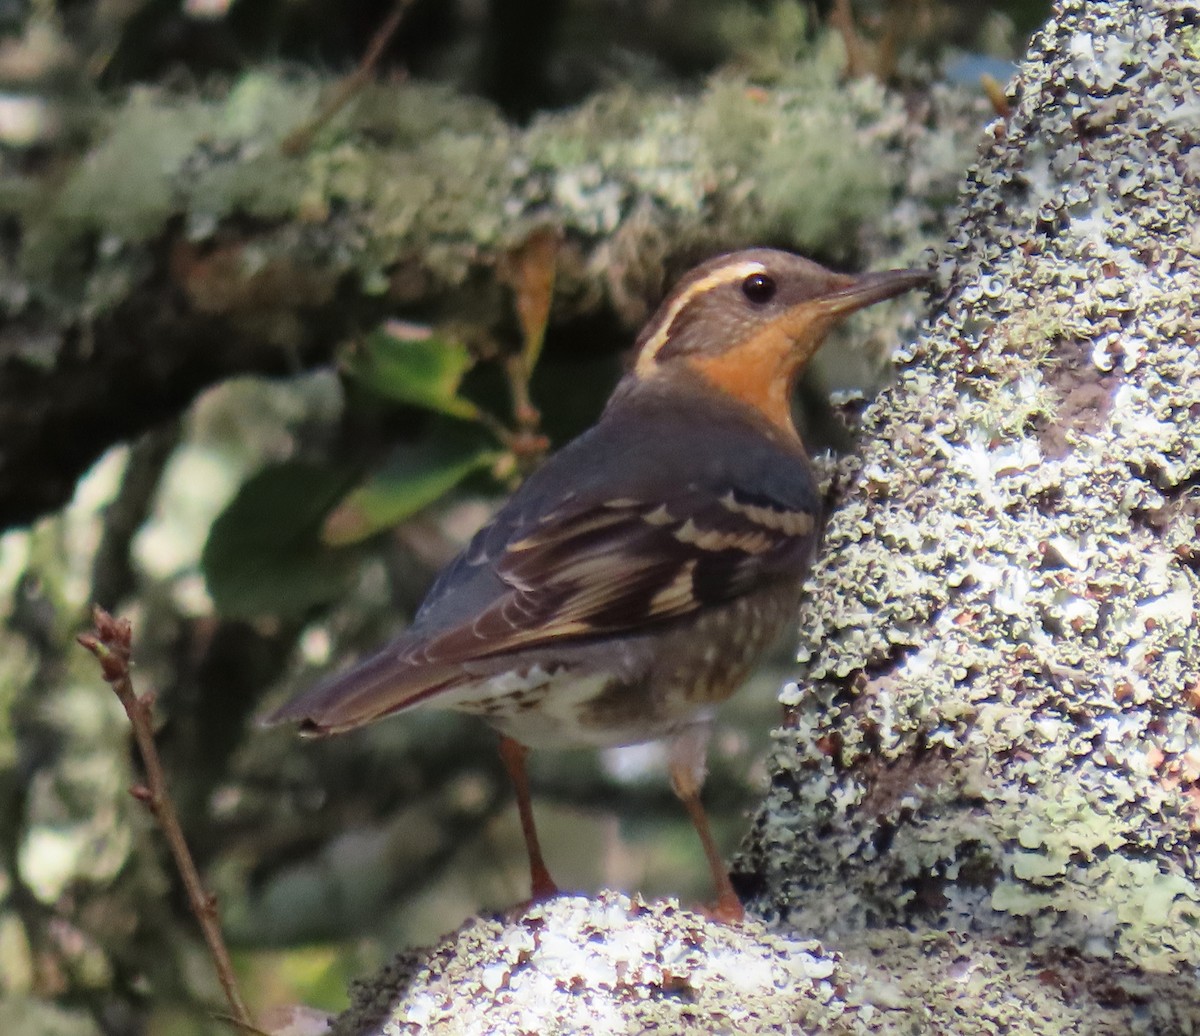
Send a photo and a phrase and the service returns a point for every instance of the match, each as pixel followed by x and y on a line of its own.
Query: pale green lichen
pixel 20 1014
pixel 78 835
pixel 993 715
pixel 412 173
pixel 608 965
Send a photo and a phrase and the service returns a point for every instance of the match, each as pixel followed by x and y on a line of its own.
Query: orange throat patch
pixel 761 372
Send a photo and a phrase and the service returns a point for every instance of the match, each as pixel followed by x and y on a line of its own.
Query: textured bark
pixel 995 726
pixel 984 803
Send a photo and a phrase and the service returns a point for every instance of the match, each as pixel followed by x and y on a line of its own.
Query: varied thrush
pixel 631 583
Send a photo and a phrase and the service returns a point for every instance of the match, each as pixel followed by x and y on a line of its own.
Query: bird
pixel 632 582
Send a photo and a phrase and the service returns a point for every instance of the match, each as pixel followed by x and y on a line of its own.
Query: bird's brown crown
pixel 749 321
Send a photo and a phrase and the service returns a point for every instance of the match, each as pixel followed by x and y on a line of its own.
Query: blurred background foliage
pixel 273 527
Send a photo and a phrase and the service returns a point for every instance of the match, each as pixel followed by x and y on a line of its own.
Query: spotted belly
pixel 638 687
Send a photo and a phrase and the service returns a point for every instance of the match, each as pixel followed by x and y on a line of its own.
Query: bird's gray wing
pixel 579 552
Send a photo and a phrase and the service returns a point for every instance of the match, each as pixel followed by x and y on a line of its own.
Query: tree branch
pixel 186 247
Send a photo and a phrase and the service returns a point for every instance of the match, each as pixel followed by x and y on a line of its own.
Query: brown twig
pixel 526 416
pixel 111 642
pixel 530 270
pixel 528 445
pixel 842 19
pixel 298 141
pixel 996 96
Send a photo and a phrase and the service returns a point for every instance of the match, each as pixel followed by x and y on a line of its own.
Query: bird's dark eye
pixel 758 288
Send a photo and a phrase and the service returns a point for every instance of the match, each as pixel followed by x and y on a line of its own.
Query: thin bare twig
pixel 994 90
pixel 298 141
pixel 111 641
pixel 842 19
pixel 530 270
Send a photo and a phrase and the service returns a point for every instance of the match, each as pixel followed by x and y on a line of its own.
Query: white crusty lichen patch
pixel 606 965
pixel 995 726
pixel 609 965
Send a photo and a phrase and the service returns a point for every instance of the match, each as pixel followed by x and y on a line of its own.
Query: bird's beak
pixel 850 293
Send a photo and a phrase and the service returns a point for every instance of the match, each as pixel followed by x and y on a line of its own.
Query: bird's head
pixel 748 322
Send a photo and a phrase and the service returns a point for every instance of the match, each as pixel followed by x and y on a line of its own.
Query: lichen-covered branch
pixel 188 244
pixel 994 727
pixel 608 965
pixel 984 802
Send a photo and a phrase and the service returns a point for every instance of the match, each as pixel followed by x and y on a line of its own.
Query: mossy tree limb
pixel 187 245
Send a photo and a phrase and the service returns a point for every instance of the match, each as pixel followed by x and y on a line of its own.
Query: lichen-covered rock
pixel 995 726
pixel 608 965
pixel 605 965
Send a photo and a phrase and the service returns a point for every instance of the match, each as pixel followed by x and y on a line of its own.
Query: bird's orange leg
pixel 688 756
pixel 512 754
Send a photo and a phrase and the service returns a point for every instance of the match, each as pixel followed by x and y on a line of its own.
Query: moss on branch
pixel 185 245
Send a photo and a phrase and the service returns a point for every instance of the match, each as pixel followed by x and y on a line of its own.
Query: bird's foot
pixel 542 892
pixel 542 886
pixel 727 909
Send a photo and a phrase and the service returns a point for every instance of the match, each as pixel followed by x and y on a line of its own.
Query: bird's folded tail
pixel 377 686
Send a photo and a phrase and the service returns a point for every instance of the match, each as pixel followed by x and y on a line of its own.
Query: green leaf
pixel 410 364
pixel 413 477
pixel 264 555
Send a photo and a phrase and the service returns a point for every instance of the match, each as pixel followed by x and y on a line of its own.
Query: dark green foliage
pixel 264 555
pixel 413 477
pixel 414 366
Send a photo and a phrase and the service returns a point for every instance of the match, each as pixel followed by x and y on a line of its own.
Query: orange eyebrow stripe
pixel 648 356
